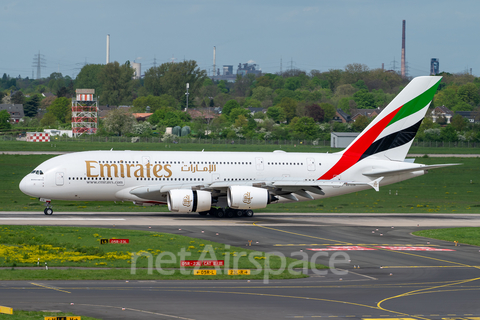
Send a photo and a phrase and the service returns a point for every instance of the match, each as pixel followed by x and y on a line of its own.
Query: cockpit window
pixel 37 172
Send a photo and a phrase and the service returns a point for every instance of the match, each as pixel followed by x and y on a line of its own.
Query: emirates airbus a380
pixel 233 183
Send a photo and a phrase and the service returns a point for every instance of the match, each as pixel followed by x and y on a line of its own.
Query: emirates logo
pixel 186 201
pixel 247 198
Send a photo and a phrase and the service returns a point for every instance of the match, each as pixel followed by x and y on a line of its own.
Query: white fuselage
pixel 112 175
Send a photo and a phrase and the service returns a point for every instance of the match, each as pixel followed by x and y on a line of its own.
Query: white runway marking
pixel 50 218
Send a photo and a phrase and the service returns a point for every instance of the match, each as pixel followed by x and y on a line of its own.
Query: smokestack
pixel 383 66
pixel 108 48
pixel 214 58
pixel 403 49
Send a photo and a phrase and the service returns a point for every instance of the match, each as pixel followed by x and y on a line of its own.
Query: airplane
pixel 233 184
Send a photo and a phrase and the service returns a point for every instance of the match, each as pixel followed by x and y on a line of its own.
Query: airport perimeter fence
pixel 184 140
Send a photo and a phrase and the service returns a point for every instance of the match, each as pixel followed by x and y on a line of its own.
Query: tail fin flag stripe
pixel 354 153
pixel 416 104
pixel 392 140
pixel 368 142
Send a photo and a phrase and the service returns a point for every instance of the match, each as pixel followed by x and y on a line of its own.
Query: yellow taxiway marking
pixel 389 319
pixel 407 267
pixel 423 291
pixel 46 287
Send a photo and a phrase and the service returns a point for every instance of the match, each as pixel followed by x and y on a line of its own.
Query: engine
pixel 185 200
pixel 243 197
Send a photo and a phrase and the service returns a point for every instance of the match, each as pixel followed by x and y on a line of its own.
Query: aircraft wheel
pixel 230 213
pixel 220 213
pixel 239 213
pixel 48 211
pixel 249 213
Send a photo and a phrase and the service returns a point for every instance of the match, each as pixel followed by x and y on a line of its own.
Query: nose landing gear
pixel 48 210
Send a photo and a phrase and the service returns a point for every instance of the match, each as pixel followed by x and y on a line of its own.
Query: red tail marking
pixel 353 154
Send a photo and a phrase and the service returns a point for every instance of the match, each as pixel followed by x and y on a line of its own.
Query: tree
pixel 30 107
pixel 276 114
pixel 333 76
pixel 117 83
pixel 18 98
pixel 304 128
pixel 172 78
pixel 119 121
pixel 364 99
pixel 237 112
pixel 4 120
pixel 48 120
pixel 262 93
pixel 243 85
pixel 316 112
pixel 448 134
pixel 355 72
pixel 229 106
pixel 329 111
pixel 458 122
pixel 88 78
pixel 241 121
pixel 46 102
pixel 469 94
pixel 61 109
pixel 361 122
pixel 292 83
pixel 289 107
pixel 154 102
pixel 447 97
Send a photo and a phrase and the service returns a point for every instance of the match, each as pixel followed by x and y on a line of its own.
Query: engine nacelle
pixel 243 197
pixel 185 200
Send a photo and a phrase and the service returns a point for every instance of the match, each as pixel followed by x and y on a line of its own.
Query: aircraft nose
pixel 26 186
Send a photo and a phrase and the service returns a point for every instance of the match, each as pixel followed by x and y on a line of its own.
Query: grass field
pixel 38 315
pixel 60 145
pixel 147 252
pixel 448 190
pixel 468 235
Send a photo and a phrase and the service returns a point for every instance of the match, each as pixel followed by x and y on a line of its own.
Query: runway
pixel 386 279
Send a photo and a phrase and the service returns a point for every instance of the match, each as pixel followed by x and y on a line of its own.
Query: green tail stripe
pixel 416 104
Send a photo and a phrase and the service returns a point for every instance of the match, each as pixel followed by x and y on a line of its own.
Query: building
pixel 247 68
pixel 471 116
pixel 142 116
pixel 137 70
pixel 441 112
pixel 341 116
pixel 207 114
pixel 15 111
pixel 434 67
pixel 342 139
pixel 369 113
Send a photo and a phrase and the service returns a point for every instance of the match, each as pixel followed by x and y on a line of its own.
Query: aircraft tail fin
pixel 391 133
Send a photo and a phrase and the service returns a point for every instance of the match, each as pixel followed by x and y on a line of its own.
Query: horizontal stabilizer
pixel 386 173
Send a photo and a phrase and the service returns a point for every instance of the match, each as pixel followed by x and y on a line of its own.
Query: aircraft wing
pixel 290 188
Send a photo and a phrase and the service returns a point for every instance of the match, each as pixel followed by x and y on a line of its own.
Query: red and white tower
pixel 84 112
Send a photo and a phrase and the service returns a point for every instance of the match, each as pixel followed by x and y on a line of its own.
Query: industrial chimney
pixel 108 48
pixel 403 49
pixel 214 59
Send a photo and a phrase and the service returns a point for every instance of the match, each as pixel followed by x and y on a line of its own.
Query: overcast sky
pixel 310 34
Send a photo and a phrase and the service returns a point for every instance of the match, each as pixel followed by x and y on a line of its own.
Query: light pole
pixel 187 94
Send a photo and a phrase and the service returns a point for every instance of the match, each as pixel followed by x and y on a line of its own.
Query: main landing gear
pixel 227 213
pixel 48 210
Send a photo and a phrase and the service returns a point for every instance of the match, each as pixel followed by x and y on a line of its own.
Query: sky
pixel 274 34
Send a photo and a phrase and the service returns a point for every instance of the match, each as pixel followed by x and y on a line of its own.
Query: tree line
pixel 297 104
